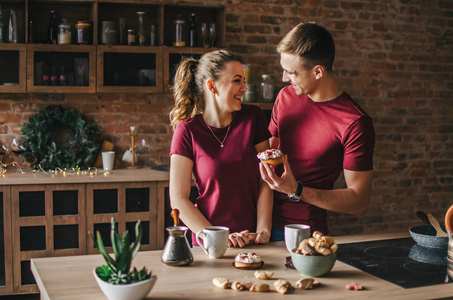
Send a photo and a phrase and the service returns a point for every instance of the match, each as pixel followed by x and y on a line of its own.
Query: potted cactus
pixel 116 279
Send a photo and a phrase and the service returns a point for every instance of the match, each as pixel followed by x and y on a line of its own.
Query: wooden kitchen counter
pixel 117 175
pixel 72 278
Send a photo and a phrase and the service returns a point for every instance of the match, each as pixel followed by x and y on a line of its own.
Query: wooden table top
pixel 72 278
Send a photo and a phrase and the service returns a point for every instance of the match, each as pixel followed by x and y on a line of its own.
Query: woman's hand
pixel 262 238
pixel 240 239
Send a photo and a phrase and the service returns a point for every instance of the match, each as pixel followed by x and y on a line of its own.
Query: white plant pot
pixel 132 291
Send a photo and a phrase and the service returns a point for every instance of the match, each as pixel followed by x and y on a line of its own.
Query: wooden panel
pixel 7 244
pixel 89 51
pixel 47 221
pixel 131 50
pixel 21 50
pixel 161 186
pixel 122 217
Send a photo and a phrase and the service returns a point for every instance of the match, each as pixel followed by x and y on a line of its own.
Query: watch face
pixel 294 198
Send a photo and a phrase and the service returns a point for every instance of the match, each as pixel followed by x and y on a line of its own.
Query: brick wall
pixel 394 57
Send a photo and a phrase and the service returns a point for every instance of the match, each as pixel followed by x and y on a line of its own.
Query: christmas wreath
pixel 41 149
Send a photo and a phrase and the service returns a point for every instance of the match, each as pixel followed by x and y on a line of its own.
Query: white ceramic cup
pixel 215 240
pixel 108 157
pixel 294 234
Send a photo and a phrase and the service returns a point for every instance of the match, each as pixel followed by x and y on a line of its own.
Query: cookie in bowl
pixel 315 256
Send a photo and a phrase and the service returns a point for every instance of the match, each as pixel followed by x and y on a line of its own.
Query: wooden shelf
pixel 13 68
pixel 79 62
pixel 122 69
pixel 96 11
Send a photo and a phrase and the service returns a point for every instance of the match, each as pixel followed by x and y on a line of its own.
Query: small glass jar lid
pixel 64 24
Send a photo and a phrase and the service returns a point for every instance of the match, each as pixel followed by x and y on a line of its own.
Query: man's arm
pixel 353 199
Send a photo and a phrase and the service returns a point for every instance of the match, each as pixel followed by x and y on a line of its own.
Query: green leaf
pixel 104 253
pixel 104 272
pixel 115 238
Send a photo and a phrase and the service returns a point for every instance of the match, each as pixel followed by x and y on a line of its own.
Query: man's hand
pixel 285 184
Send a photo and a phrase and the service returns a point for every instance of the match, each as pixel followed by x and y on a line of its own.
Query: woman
pixel 216 139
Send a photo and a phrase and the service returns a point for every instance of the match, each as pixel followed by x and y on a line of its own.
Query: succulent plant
pixel 117 270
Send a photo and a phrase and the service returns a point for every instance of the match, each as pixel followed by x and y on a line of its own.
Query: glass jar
pixel 130 37
pixel 267 88
pixel 179 32
pixel 109 33
pixel 83 29
pixel 64 33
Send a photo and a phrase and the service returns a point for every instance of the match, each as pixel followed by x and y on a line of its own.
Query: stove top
pixel 399 261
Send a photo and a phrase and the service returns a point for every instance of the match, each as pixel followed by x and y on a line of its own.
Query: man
pixel 322 131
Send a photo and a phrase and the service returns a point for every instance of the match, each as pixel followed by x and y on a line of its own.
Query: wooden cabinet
pixel 127 203
pixel 124 69
pixel 12 68
pixel 98 66
pixel 47 220
pixel 53 219
pixel 77 63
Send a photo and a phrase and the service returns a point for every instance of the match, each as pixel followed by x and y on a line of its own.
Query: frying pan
pixel 428 255
pixel 425 235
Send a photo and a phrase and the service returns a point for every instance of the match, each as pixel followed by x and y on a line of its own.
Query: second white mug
pixel 215 240
pixel 294 234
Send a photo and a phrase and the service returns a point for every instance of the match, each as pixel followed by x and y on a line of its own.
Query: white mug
pixel 294 234
pixel 215 240
pixel 108 157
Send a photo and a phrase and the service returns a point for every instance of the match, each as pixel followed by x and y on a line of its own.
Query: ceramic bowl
pixel 132 291
pixel 314 266
pixel 425 235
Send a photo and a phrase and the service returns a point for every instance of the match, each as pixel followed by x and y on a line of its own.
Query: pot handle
pixel 449 220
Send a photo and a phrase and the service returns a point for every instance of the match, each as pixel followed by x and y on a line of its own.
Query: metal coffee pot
pixel 177 250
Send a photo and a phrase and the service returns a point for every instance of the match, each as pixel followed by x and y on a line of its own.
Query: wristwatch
pixel 296 196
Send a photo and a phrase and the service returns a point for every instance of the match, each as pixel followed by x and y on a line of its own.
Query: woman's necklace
pixel 221 142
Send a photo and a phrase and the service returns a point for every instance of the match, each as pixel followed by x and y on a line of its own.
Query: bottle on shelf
pixel 205 35
pixel 130 37
pixel 141 29
pixel 62 77
pixel 12 27
pixel 193 31
pixel 179 32
pixel 122 28
pixel 153 35
pixel 52 31
pixel 2 28
pixel 45 75
pixel 267 88
pixel 53 80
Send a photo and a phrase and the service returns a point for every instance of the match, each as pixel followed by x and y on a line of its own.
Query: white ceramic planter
pixel 132 291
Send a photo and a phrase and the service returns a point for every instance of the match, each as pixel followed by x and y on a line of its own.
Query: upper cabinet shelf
pixel 122 46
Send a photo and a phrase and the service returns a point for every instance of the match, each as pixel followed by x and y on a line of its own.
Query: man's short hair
pixel 312 42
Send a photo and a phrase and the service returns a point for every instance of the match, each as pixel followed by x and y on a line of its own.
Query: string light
pixel 76 171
